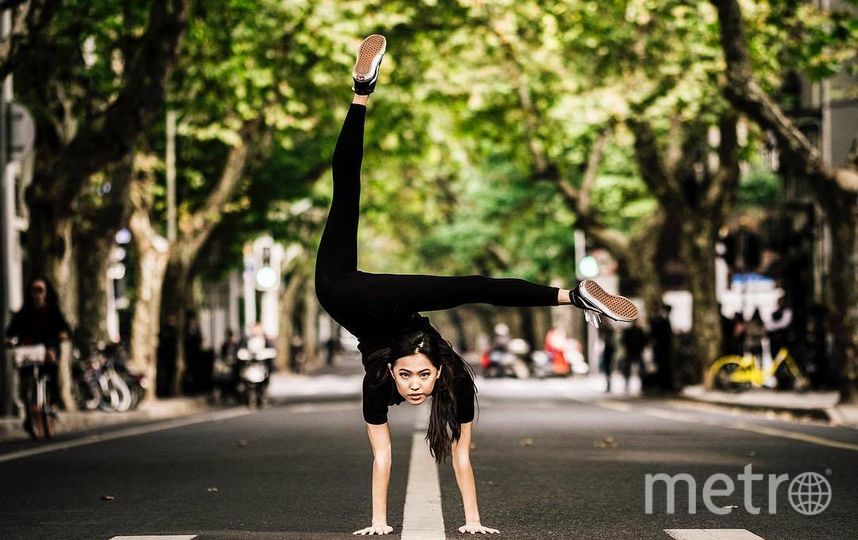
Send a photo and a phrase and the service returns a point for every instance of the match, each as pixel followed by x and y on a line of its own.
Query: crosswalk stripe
pixel 161 537
pixel 422 518
pixel 712 534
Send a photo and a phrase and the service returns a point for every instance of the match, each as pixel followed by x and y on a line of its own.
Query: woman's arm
pixel 461 457
pixel 379 439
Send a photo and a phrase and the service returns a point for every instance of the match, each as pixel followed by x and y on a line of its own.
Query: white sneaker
pixel 595 301
pixel 365 72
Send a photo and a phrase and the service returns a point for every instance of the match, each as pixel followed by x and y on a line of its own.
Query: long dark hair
pixel 52 300
pixel 444 426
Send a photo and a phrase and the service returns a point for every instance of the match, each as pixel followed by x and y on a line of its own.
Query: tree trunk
pixel 698 253
pixel 461 341
pixel 485 316
pixel 842 294
pixel 311 326
pixel 528 333
pixel 152 257
pixel 49 251
pixel 642 264
pixel 288 301
pixel 93 253
pixel 98 217
pixel 174 301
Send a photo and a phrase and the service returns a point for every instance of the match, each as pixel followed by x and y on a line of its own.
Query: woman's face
pixel 39 291
pixel 415 377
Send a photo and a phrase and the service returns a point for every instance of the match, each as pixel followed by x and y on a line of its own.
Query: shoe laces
pixel 592 317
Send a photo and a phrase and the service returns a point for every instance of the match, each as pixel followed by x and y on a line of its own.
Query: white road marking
pixel 323 407
pixel 129 432
pixel 730 424
pixel 162 537
pixel 422 518
pixel 712 534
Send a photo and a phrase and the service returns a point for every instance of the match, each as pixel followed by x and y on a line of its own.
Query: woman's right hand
pixel 375 528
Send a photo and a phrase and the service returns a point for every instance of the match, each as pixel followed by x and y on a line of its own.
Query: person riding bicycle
pixel 39 322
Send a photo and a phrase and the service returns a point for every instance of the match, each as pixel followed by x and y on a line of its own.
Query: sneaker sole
pixel 613 306
pixel 370 48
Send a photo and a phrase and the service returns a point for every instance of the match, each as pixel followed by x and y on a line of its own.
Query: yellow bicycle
pixel 734 372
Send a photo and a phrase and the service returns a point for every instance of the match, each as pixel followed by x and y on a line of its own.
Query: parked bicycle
pixel 737 373
pixel 103 381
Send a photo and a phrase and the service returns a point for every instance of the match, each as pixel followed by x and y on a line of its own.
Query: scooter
pixel 253 374
pixel 542 365
pixel 224 380
pixel 509 361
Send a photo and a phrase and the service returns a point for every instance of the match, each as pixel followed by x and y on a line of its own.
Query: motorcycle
pixel 510 360
pixel 253 374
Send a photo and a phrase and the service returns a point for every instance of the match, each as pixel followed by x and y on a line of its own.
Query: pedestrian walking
pixel 609 349
pixel 634 341
pixel 661 336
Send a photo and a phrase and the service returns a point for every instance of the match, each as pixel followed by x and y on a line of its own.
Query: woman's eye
pixel 425 375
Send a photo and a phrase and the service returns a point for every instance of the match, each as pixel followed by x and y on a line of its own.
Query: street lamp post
pixel 6 369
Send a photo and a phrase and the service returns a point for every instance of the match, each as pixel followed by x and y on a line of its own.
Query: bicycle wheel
pixel 123 391
pixel 37 408
pixel 88 394
pixel 49 422
pixel 37 425
pixel 724 379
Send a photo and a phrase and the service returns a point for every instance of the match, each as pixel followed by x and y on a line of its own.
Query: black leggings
pixel 363 302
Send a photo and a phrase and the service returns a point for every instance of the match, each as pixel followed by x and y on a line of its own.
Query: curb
pixel 827 414
pixel 74 421
pixel 314 398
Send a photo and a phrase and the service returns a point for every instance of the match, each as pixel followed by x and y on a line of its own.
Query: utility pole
pixel 171 176
pixel 7 400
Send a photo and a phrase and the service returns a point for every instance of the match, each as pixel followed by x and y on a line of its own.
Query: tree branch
pixel 143 91
pixel 673 156
pixel 594 159
pixel 654 172
pixel 197 227
pixel 719 197
pixel 745 93
pixel 30 18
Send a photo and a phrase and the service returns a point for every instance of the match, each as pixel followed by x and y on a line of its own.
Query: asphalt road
pixel 547 466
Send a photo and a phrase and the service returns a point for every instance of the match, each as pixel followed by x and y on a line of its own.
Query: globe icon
pixel 809 493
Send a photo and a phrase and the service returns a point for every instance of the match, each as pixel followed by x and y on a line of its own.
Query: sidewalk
pixel 821 405
pixel 70 421
pixel 325 383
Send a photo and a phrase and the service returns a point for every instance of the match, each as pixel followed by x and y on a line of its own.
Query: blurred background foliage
pixel 480 103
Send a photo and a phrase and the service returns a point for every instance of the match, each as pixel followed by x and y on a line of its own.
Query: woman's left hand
pixel 475 527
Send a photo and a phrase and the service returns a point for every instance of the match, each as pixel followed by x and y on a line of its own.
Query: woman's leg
pixel 338 247
pixel 404 293
pixel 419 292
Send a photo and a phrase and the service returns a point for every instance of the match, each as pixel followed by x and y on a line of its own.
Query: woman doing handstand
pixel 404 357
